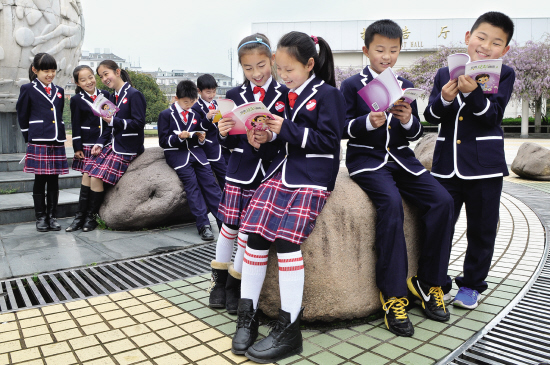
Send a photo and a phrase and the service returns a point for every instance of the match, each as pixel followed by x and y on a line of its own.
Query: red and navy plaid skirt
pixel 80 163
pixel 278 212
pixel 45 159
pixel 234 204
pixel 108 166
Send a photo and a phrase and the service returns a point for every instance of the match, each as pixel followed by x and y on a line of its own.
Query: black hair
pixel 482 75
pixel 386 28
pixel 187 89
pixel 42 62
pixel 206 81
pixel 496 19
pixel 76 71
pixel 258 47
pixel 302 47
pixel 110 64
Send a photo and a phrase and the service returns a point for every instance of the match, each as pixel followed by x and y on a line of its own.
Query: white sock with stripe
pixel 254 269
pixel 291 282
pixel 239 255
pixel 224 246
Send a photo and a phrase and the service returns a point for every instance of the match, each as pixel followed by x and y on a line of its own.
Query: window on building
pixel 91 64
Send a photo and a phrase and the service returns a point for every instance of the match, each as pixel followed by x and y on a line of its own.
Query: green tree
pixel 156 101
pixel 67 113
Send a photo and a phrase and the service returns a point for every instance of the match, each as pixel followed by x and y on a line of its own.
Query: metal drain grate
pixel 81 283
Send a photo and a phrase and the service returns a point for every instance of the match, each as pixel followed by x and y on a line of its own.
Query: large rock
pixel 148 195
pixel 424 150
pixel 532 162
pixel 340 258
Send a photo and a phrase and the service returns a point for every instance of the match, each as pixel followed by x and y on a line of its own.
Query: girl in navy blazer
pixel 245 169
pixel 40 115
pixel 87 127
pixel 121 140
pixel 294 190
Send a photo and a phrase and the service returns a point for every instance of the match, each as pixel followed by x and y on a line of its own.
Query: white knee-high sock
pixel 224 246
pixel 291 282
pixel 254 269
pixel 241 246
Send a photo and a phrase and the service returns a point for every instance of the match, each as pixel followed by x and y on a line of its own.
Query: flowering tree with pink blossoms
pixel 342 73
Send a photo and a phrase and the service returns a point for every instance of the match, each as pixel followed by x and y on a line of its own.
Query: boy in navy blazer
pixel 469 152
pixel 180 135
pixel 380 161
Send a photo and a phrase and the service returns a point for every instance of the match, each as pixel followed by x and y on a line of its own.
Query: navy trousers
pixel 482 200
pixel 219 169
pixel 203 192
pixel 385 187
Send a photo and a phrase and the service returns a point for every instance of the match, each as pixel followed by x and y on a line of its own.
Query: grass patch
pixel 151 132
pixel 8 191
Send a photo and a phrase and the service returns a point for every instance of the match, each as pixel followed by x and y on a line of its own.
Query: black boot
pixel 42 224
pixel 94 203
pixel 217 290
pixel 247 327
pixel 78 221
pixel 284 340
pixel 232 290
pixel 51 205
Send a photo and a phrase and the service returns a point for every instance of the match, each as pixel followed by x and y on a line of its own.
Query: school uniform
pixel 214 151
pixel 40 116
pixel 246 167
pixel 303 173
pixel 122 139
pixel 86 126
pixel 189 161
pixel 469 162
pixel 380 161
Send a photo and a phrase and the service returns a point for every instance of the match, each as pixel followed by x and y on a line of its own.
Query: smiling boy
pixel 469 153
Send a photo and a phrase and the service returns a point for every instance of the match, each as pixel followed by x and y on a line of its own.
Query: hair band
pixel 258 40
pixel 315 39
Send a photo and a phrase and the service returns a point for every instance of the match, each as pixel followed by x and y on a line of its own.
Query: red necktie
pixel 184 114
pixel 48 90
pixel 260 90
pixel 116 97
pixel 93 97
pixel 292 99
pixel 212 106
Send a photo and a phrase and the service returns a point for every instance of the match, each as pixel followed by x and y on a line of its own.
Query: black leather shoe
pixel 206 233
pixel 284 340
pixel 396 318
pixel 247 327
pixel 42 224
pixel 232 290
pixel 432 299
pixel 51 206
pixel 217 289
pixel 80 216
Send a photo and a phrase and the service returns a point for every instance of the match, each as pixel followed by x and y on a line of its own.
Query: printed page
pixel 486 73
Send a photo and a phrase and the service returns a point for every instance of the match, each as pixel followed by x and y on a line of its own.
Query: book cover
pixel 485 72
pixel 103 107
pixel 246 117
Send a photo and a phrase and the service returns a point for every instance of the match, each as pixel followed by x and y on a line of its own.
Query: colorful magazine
pixel 246 117
pixel 485 72
pixel 103 107
pixel 385 91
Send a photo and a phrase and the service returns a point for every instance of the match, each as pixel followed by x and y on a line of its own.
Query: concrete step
pixel 23 182
pixel 13 161
pixel 17 208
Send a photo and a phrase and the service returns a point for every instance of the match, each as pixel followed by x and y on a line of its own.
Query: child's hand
pixel 402 112
pixel 377 119
pixel 201 136
pixel 450 90
pixel 251 139
pixel 211 113
pixel 275 124
pixel 108 120
pixel 225 125
pixel 466 84
pixel 183 135
pixel 79 155
pixel 262 136
pixel 96 150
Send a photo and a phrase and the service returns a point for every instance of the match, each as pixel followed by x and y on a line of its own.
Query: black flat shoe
pixel 206 233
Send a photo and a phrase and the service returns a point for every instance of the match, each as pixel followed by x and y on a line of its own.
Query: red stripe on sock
pixel 255 263
pixel 291 268
pixel 296 259
pixel 240 245
pixel 246 253
pixel 241 240
pixel 225 234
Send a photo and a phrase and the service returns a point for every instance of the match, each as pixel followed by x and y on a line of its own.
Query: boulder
pixel 340 258
pixel 424 150
pixel 532 162
pixel 148 195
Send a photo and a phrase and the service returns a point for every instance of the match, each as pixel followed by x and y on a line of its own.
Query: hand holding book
pixel 486 73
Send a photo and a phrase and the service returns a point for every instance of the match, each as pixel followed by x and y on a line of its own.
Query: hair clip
pixel 258 40
pixel 315 39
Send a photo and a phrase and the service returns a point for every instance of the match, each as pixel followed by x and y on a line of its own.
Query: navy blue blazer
pixel 126 134
pixel 177 151
pixel 310 138
pixel 40 115
pixel 246 162
pixel 370 150
pixel 86 126
pixel 470 143
pixel 212 146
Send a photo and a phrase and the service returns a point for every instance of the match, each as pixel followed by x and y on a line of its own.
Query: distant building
pixel 168 80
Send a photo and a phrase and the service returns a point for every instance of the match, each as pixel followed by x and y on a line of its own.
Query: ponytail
pixel 110 64
pixel 303 47
pixel 42 61
pixel 76 71
pixel 125 76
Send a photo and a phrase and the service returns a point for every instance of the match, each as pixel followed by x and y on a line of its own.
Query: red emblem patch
pixel 59 95
pixel 194 121
pixel 279 106
pixel 311 104
pixel 124 101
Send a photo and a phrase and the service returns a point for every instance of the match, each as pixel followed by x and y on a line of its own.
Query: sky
pixel 197 35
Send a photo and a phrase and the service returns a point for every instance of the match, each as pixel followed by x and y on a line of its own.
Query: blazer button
pixel 388 148
pixel 389 127
pixel 52 109
pixel 458 141
pixel 53 121
pixel 460 118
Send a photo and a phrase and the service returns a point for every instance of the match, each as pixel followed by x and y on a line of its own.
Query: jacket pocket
pixel 490 151
pixel 36 129
pixel 320 166
pixel 235 160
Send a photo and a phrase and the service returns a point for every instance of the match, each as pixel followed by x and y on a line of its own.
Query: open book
pixel 247 116
pixel 485 72
pixel 102 107
pixel 382 93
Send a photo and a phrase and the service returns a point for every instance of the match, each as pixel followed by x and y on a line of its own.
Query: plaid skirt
pixel 278 212
pixel 234 204
pixel 44 159
pixel 78 163
pixel 108 166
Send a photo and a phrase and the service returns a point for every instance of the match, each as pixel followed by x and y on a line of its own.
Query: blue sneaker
pixel 466 298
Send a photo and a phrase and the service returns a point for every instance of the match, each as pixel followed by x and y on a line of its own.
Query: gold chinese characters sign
pixel 443 33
